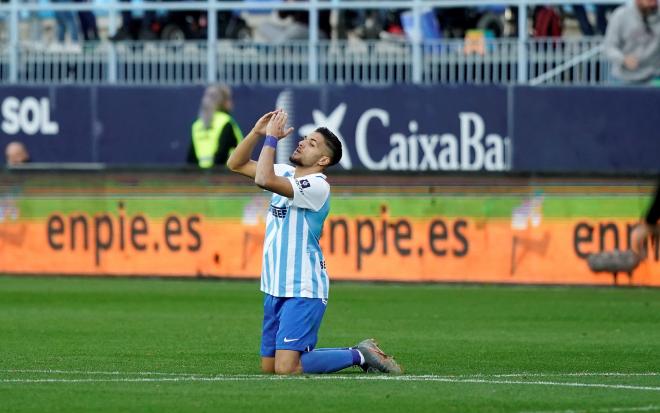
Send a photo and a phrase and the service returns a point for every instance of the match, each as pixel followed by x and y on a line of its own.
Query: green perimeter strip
pixel 231 189
pixel 559 207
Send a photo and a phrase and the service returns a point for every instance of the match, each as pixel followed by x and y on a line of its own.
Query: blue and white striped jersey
pixel 293 263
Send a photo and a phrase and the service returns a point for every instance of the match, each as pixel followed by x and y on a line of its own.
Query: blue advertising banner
pixel 394 128
pixel 412 128
pixel 153 125
pixel 586 129
pixel 54 123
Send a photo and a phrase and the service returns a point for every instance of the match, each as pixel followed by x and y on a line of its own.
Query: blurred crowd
pixel 631 30
pixel 496 21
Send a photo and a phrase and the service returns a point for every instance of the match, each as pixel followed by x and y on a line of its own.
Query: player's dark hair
pixel 332 142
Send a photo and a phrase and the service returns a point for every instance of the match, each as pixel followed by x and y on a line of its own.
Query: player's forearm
pixel 265 167
pixel 243 151
pixel 264 175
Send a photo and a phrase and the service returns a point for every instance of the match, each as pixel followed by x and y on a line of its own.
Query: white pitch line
pixel 450 376
pixel 331 377
pixel 604 410
pixel 552 383
pixel 105 373
pixel 577 374
pixel 135 379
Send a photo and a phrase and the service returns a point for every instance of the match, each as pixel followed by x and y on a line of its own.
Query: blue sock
pixel 332 348
pixel 329 360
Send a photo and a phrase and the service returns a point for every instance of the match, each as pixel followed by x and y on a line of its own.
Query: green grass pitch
pixel 138 345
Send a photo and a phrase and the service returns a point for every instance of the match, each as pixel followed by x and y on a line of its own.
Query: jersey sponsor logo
pixel 278 212
pixel 290 340
pixel 302 184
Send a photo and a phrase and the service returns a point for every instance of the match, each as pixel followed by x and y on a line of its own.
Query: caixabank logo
pixel 380 146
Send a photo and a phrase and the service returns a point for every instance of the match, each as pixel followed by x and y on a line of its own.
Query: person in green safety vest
pixel 215 132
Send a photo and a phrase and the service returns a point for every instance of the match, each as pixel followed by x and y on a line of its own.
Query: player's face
pixel 312 150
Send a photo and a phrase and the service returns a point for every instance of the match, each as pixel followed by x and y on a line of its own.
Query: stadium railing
pixel 522 60
pixel 338 62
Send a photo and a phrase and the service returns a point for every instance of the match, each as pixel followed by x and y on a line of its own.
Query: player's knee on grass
pixel 268 365
pixel 287 362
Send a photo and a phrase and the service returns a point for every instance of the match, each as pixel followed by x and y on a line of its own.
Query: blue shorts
pixel 291 323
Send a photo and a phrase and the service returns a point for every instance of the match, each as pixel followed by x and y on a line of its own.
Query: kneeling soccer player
pixel 294 277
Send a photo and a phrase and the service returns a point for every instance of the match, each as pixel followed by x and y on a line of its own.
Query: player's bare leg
pixel 268 364
pixel 367 355
pixel 287 362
